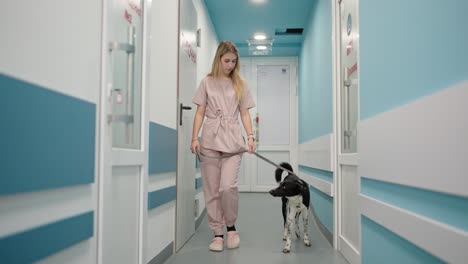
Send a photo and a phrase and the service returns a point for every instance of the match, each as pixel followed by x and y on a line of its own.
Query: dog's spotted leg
pixel 285 233
pixel 287 245
pixel 297 229
pixel 291 215
pixel 305 221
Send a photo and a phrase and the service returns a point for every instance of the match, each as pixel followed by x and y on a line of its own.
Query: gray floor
pixel 260 229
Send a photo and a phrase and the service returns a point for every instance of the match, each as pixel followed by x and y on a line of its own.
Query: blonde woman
pixel 222 97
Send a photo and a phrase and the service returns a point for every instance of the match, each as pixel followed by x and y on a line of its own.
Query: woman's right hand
pixel 195 146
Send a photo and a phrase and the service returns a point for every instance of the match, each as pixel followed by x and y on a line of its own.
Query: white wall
pixel 56 45
pixel 163 102
pixel 161 220
pixel 425 164
pixel 162 91
pixel 53 43
pixel 163 69
pixel 209 41
pixel 162 83
pixel 412 132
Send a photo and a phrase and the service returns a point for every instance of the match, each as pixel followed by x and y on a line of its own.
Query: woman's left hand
pixel 251 145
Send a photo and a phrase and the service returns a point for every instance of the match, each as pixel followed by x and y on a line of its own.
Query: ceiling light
pixel 260 46
pixel 258 2
pixel 259 36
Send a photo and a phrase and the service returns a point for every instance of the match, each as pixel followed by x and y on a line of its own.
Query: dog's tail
pixel 279 171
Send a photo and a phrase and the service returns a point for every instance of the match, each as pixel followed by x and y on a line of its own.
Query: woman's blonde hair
pixel 237 82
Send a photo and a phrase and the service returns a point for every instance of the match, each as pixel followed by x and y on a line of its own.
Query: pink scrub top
pixel 221 128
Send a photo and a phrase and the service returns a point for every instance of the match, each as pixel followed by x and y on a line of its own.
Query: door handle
pixel 128 117
pixel 182 108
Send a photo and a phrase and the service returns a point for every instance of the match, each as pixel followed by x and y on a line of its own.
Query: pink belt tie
pixel 222 120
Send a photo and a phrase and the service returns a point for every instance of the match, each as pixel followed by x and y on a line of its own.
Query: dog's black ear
pixel 278 173
pixel 286 166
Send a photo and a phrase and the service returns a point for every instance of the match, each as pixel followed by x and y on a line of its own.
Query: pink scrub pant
pixel 219 178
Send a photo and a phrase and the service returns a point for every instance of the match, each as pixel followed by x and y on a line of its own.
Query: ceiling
pixel 239 20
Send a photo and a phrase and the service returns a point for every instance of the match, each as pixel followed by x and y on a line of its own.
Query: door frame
pixel 339 159
pixel 108 156
pixel 250 167
pixel 185 184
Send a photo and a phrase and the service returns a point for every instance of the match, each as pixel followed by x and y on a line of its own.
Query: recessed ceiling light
pixel 259 37
pixel 261 47
pixel 258 2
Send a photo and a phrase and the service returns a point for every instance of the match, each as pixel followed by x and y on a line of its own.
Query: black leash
pixel 228 155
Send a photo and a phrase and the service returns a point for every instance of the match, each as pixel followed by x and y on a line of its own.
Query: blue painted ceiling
pixel 239 20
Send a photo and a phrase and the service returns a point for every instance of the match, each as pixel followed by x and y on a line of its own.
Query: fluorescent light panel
pixel 259 36
pixel 258 2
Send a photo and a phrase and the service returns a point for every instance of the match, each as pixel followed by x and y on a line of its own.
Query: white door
pixel 349 221
pixel 273 82
pixel 122 137
pixel 246 169
pixel 186 171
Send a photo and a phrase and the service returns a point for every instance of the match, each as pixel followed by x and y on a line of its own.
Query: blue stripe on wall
pixel 380 245
pixel 48 139
pixel 197 161
pixel 40 242
pixel 198 183
pixel 323 205
pixel 197 164
pixel 162 149
pixel 449 209
pixel 160 197
pixel 402 58
pixel 321 174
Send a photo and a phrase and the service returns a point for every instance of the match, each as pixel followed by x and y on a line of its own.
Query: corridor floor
pixel 260 228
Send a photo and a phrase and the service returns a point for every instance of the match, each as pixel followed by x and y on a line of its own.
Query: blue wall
pixel 37 243
pixel 47 138
pixel 323 206
pixel 162 149
pixel 162 159
pixel 315 75
pixel 321 202
pixel 47 142
pixel 321 174
pixel 380 245
pixel 423 202
pixel 162 196
pixel 315 115
pixel 404 58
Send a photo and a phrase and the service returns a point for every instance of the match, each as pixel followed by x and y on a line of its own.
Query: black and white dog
pixel 295 196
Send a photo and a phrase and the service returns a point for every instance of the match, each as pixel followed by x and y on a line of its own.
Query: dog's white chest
pixel 295 201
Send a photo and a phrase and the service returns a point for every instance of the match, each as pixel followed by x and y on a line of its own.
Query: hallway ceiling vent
pixel 288 31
